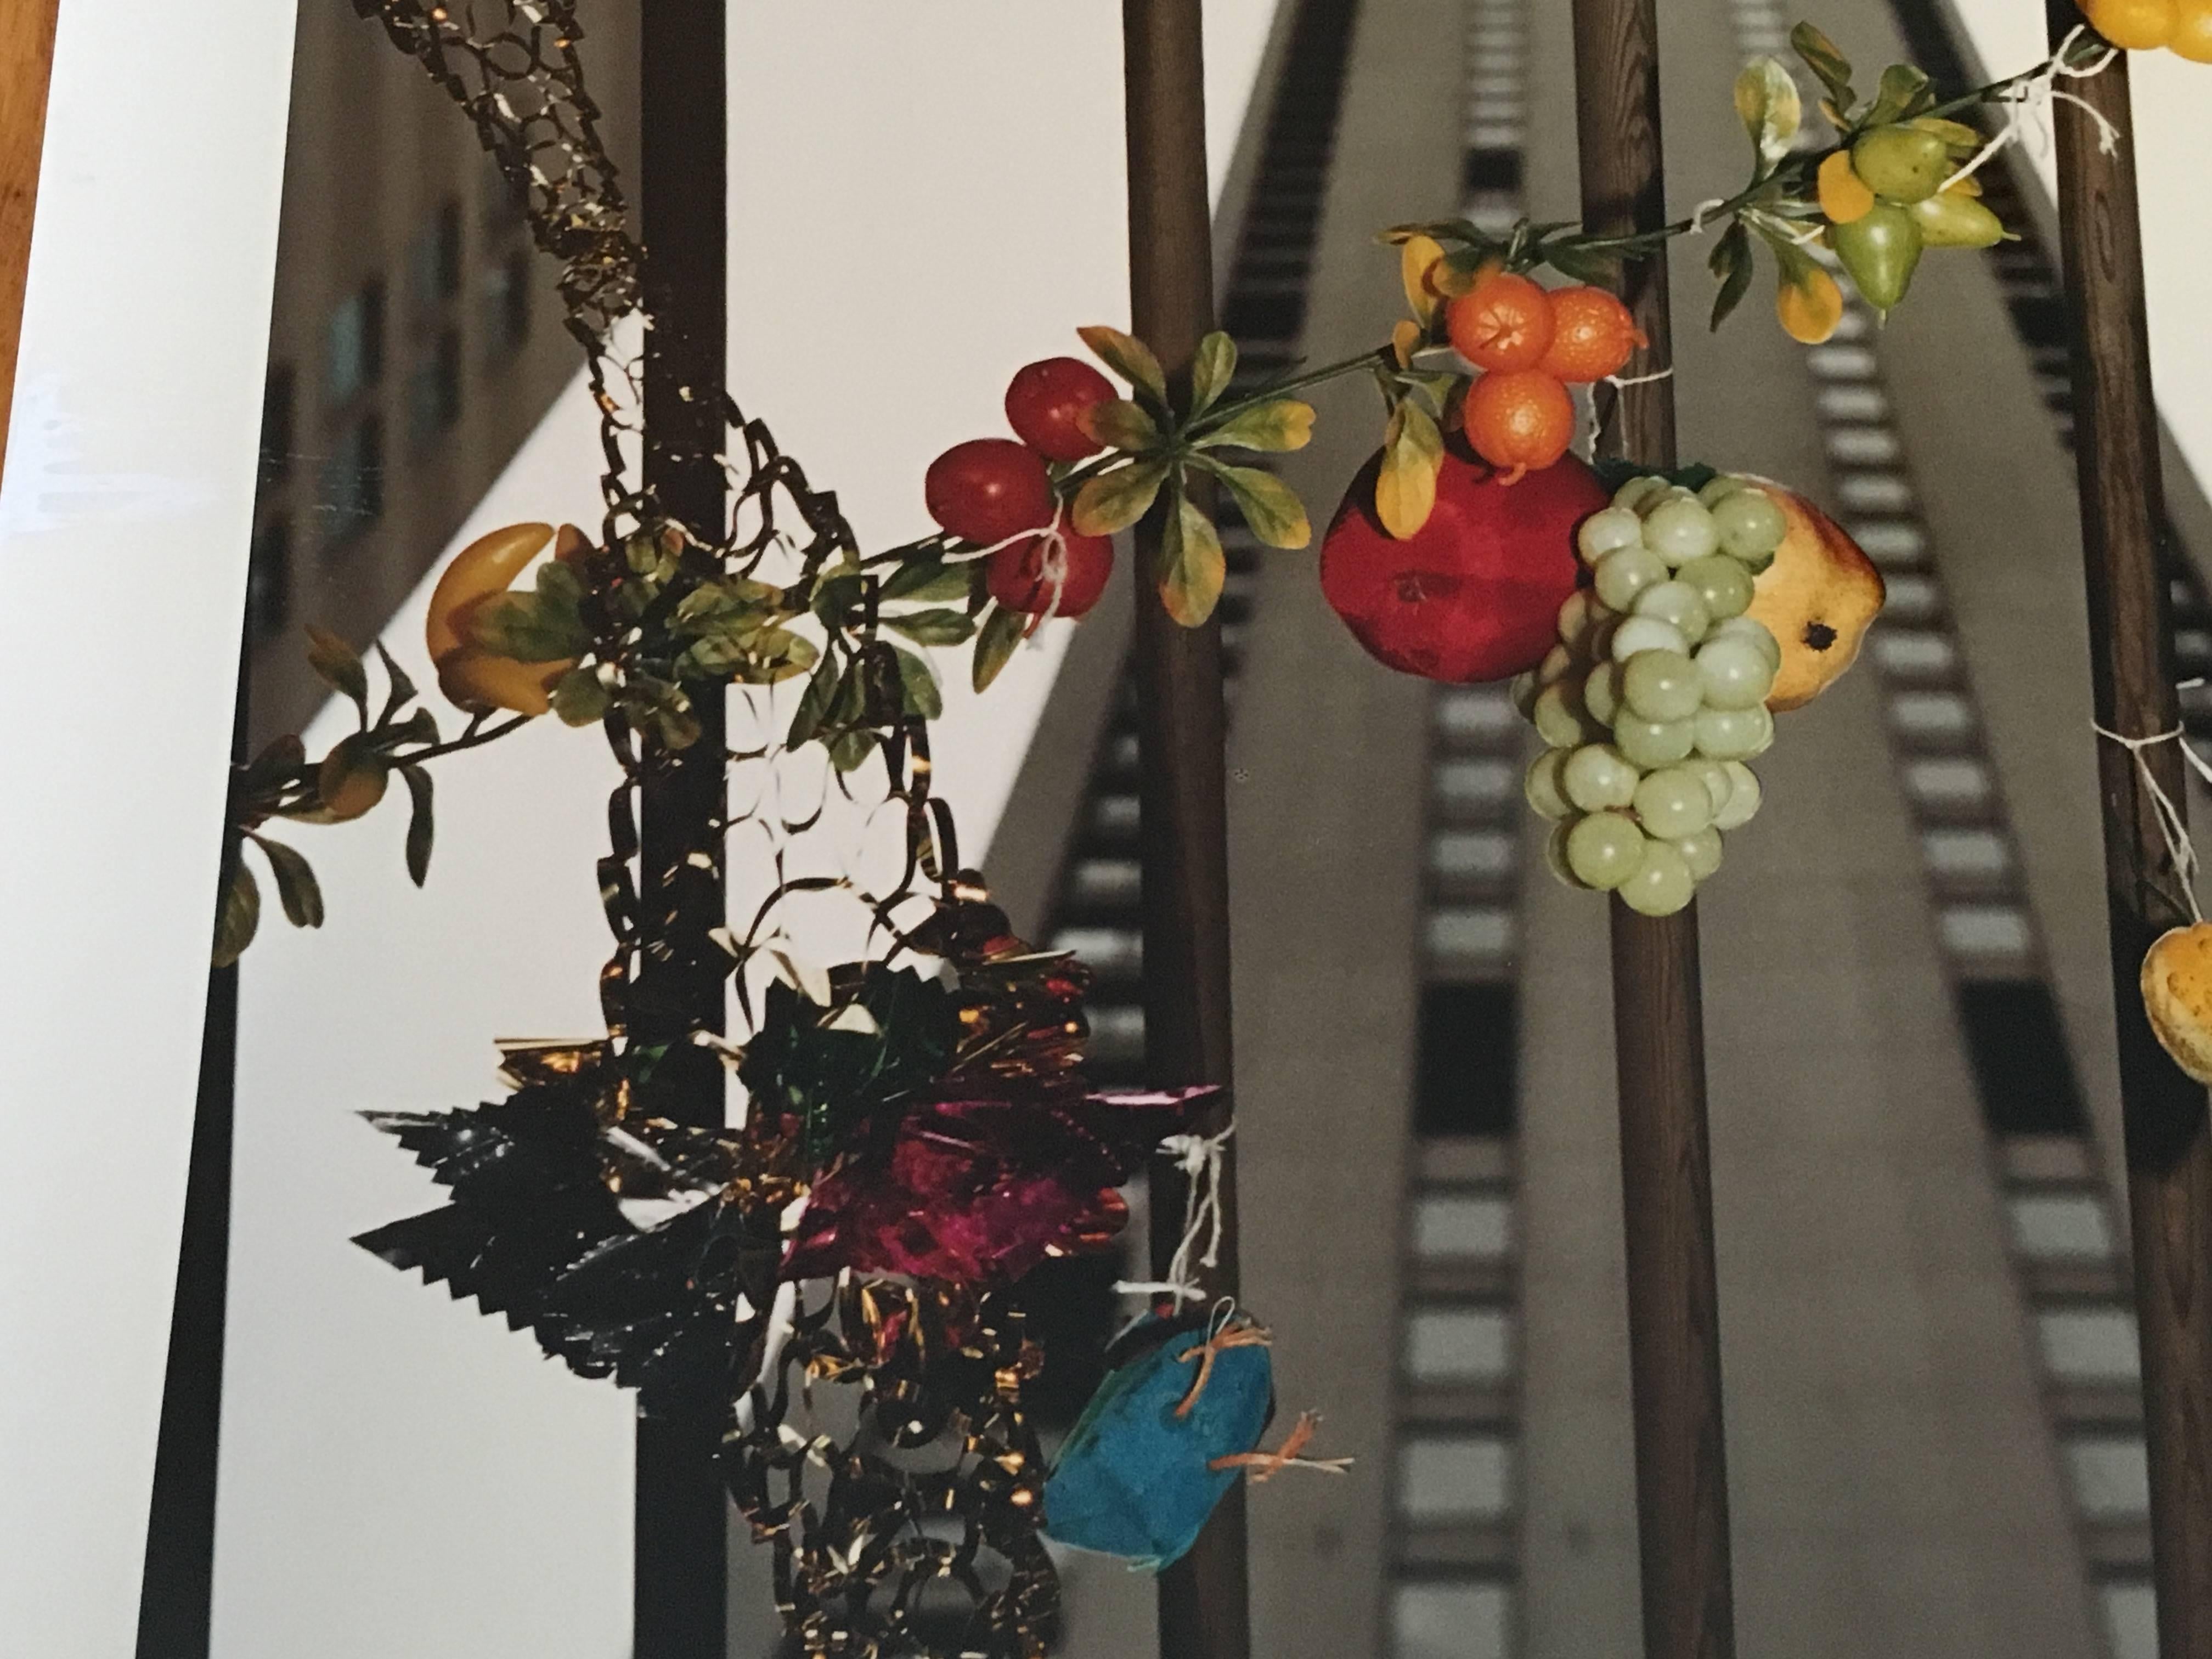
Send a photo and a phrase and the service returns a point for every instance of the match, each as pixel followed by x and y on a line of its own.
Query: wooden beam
pixel 1205 1611
pixel 680 1583
pixel 2169 1150
pixel 1675 1355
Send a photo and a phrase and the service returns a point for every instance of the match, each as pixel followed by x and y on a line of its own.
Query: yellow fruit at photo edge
pixel 2193 35
pixel 1818 598
pixel 2136 25
pixel 2177 993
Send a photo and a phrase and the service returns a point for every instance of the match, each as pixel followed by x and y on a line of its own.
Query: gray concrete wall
pixel 1329 755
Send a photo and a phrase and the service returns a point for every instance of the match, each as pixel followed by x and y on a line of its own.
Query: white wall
pixel 123 538
pixel 2170 95
pixel 924 199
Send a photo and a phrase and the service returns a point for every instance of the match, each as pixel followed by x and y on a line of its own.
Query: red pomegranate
pixel 1476 594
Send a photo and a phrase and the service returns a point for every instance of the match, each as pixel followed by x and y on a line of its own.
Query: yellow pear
pixel 2177 993
pixel 1818 598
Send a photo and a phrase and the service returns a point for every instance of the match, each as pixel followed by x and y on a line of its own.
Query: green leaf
pixel 1731 263
pixel 1767 102
pixel 421 726
pixel 420 825
pixel 995 641
pixel 939 627
pixel 1271 508
pixel 931 579
pixel 579 698
pixel 1442 230
pixel 814 704
pixel 835 596
pixel 1120 424
pixel 1904 92
pixel 1583 264
pixel 339 664
pixel 1278 424
pixel 403 689
pixel 920 686
pixel 1115 501
pixel 297 891
pixel 849 750
pixel 545 625
pixel 1211 367
pixel 240 917
pixel 1130 358
pixel 1192 567
pixel 1405 484
pixel 1820 56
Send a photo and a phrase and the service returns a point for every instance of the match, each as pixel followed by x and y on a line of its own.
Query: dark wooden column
pixel 1204 1598
pixel 1675 1351
pixel 2169 1151
pixel 681 1586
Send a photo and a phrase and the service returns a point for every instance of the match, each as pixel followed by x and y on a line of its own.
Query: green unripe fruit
pixel 1904 164
pixel 1880 252
pixel 1951 219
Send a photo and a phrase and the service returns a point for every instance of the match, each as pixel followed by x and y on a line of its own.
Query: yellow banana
pixel 479 682
pixel 485 566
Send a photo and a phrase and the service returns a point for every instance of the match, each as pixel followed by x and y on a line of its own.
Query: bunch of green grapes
pixel 1656 695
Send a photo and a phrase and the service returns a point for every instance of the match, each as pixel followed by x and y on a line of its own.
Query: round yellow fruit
pixel 2177 993
pixel 1818 598
pixel 2192 33
pixel 2134 25
pixel 1845 197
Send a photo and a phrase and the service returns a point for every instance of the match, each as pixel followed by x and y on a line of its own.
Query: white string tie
pixel 1698 213
pixel 2173 829
pixel 1596 429
pixel 1199 1158
pixel 2034 98
pixel 1053 572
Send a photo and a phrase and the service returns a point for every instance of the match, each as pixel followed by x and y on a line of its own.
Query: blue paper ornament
pixel 1137 1477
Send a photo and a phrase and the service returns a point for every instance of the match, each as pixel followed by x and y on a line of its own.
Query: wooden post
pixel 26 63
pixel 1681 1479
pixel 681 1584
pixel 2169 1150
pixel 1204 1598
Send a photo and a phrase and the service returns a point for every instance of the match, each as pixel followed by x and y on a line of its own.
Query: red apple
pixel 1476 594
pixel 987 490
pixel 1017 578
pixel 1046 404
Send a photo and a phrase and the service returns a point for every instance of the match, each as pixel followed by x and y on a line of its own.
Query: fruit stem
pixel 474 738
pixel 1220 414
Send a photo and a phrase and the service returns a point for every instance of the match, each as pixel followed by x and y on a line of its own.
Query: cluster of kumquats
pixel 1529 344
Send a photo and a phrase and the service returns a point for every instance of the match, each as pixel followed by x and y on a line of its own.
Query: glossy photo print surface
pixel 1213 828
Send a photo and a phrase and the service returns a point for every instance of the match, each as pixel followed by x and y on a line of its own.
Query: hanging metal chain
pixel 941 1485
